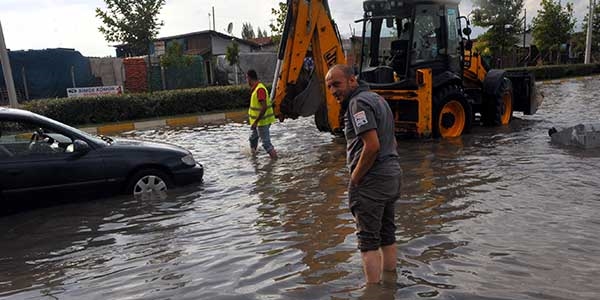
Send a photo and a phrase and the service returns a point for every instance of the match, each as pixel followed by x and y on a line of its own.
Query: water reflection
pixel 308 205
pixel 497 214
pixel 68 241
pixel 431 203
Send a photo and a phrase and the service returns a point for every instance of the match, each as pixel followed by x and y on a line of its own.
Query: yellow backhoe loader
pixel 414 53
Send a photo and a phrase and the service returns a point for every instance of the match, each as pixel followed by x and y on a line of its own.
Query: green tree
pixel 247 31
pixel 277 28
pixel 232 54
pixel 578 45
pixel 503 21
pixel 174 57
pixel 259 33
pixel 553 26
pixel 131 22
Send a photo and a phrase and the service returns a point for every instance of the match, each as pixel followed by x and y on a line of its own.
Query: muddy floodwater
pixel 497 214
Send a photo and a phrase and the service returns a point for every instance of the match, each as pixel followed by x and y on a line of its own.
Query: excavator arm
pixel 299 87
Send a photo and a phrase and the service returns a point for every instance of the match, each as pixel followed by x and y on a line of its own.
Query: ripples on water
pixel 497 214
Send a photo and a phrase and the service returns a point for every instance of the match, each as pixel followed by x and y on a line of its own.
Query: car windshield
pixel 98 139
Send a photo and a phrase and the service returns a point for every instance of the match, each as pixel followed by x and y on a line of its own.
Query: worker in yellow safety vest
pixel 260 115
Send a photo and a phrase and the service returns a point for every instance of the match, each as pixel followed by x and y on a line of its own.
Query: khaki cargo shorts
pixel 372 204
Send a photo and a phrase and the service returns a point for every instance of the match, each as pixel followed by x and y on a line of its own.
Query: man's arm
pixel 368 155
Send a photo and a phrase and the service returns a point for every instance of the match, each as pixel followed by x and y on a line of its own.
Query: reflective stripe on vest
pixel 255 107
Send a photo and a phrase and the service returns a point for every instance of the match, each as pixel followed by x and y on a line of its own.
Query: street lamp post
pixel 506 31
pixel 588 40
pixel 525 36
pixel 7 71
pixel 524 26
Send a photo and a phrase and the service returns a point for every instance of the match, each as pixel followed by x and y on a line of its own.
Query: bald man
pixel 374 169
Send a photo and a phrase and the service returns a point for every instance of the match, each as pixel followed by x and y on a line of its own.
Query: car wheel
pixel 148 181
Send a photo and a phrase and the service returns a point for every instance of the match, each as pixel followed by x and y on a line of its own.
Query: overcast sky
pixel 40 24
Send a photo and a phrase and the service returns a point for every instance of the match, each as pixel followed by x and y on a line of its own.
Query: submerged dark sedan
pixel 42 160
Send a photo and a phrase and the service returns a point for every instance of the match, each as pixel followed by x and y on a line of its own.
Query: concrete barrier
pixel 216 118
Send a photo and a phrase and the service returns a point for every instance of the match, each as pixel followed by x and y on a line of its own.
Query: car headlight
pixel 188 160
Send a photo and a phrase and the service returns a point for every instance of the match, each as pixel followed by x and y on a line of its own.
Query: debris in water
pixel 585 136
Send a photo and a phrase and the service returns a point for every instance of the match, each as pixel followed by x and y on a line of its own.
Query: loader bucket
pixel 525 98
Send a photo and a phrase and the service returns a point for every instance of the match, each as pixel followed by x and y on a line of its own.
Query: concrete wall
pixel 263 62
pixel 219 46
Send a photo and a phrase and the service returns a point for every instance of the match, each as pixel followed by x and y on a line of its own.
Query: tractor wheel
pixel 498 107
pixel 452 113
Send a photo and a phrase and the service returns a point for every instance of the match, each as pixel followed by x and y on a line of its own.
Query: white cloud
pixel 52 24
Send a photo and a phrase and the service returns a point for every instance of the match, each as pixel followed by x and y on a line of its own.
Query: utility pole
pixel 7 71
pixel 213 15
pixel 588 40
pixel 524 27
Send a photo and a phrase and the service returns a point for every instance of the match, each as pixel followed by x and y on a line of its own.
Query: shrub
pixel 561 71
pixel 109 108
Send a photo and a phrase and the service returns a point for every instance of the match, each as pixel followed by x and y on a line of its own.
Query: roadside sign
pixel 94 91
pixel 159 48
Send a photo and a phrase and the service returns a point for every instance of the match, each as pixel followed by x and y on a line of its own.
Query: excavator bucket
pixel 307 99
pixel 310 45
pixel 525 98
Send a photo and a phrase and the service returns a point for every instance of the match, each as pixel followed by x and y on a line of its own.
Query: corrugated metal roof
pixel 203 32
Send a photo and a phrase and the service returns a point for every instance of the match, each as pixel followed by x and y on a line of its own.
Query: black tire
pixel 452 112
pixel 148 180
pixel 498 107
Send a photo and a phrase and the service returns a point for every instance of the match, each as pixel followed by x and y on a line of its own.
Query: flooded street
pixel 497 214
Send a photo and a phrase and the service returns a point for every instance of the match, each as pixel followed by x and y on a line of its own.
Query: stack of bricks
pixel 136 79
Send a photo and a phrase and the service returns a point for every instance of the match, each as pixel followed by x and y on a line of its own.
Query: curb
pixel 217 118
pixel 567 80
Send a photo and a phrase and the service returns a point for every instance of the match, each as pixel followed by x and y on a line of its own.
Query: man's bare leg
pixel 390 259
pixel 273 154
pixel 372 263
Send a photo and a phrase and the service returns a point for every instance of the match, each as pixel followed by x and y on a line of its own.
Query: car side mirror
pixel 467 31
pixel 80 146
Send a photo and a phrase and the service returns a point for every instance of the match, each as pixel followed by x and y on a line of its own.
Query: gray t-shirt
pixel 367 110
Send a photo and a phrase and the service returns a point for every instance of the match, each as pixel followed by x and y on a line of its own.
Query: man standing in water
pixel 260 115
pixel 374 167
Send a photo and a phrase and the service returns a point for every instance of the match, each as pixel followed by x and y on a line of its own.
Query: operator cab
pixel 400 37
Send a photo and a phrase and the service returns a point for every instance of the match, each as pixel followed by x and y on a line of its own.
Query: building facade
pixel 208 43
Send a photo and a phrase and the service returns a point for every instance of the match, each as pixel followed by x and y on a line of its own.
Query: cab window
pixel 427 34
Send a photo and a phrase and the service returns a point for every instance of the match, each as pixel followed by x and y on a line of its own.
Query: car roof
pixel 10 109
pixel 7 111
